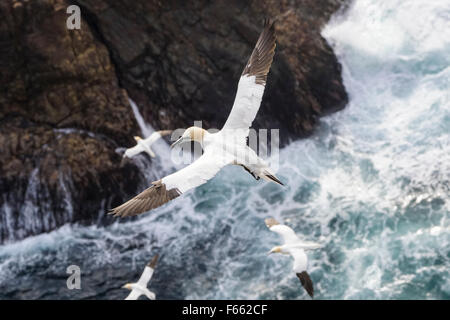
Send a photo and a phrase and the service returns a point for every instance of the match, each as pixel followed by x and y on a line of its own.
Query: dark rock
pixel 181 60
pixel 64 93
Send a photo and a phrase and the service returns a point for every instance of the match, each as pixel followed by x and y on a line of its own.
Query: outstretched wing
pixel 307 245
pixel 156 135
pixel 146 276
pixel 287 233
pixel 134 295
pixel 300 265
pixel 252 83
pixel 131 152
pixel 171 186
pixel 148 272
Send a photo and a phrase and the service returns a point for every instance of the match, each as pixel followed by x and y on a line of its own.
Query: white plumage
pixel 140 288
pixel 294 247
pixel 228 146
pixel 245 107
pixel 144 145
pixel 291 239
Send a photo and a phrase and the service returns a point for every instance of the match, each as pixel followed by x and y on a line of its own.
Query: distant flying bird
pixel 228 146
pixel 143 145
pixel 140 288
pixel 296 248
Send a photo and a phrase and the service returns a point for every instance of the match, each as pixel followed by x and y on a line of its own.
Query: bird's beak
pixel 271 251
pixel 180 140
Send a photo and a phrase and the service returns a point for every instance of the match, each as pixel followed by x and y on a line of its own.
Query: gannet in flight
pixel 296 248
pixel 228 146
pixel 145 144
pixel 140 288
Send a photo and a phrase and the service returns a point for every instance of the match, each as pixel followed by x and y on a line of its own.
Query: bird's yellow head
pixel 137 138
pixel 270 222
pixel 191 134
pixel 276 250
pixel 127 286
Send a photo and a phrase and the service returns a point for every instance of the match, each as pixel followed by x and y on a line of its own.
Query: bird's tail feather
pixel 271 177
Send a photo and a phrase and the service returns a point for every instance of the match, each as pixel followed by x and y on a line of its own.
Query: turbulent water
pixel 372 184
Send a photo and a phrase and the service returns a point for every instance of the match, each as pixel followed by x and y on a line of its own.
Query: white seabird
pixel 140 288
pixel 296 248
pixel 228 146
pixel 145 144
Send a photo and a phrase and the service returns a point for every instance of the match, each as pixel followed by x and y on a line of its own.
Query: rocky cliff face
pixel 181 60
pixel 62 114
pixel 64 93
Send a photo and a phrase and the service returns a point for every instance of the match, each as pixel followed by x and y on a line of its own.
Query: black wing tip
pixel 274 179
pixel 153 262
pixel 116 212
pixel 112 212
pixel 269 22
pixel 306 282
pixel 262 56
pixel 269 26
pixel 153 197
